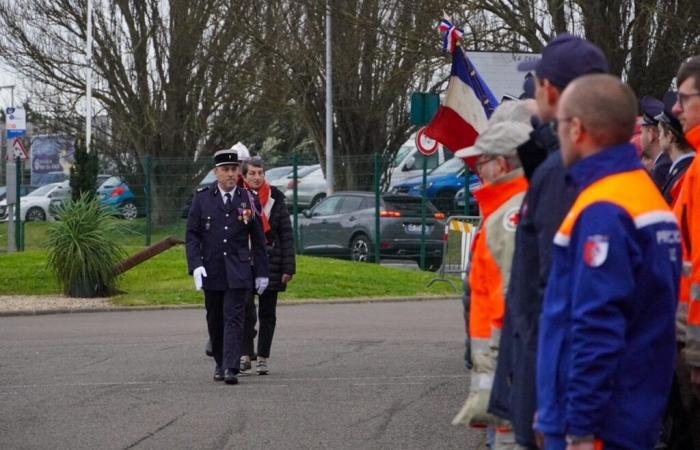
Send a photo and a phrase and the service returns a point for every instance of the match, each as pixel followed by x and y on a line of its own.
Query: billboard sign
pixel 52 158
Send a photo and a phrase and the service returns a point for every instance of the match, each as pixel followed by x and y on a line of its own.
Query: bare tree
pixel 644 40
pixel 165 72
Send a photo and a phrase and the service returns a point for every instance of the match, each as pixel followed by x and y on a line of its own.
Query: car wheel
pixel 361 249
pixel 35 215
pixel 317 199
pixel 444 201
pixel 432 264
pixel 129 211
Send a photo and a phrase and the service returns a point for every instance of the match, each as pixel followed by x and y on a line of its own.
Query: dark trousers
pixel 267 316
pixel 225 316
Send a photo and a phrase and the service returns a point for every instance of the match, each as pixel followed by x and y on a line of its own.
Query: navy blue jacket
pixel 607 332
pixel 218 239
pixel 548 199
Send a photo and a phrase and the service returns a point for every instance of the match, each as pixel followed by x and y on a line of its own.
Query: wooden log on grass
pixel 148 253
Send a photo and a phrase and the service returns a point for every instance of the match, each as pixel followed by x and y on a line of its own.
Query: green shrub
pixel 82 250
pixel 83 173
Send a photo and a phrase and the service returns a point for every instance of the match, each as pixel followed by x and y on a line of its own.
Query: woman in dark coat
pixel 282 265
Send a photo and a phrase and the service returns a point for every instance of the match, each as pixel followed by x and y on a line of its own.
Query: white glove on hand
pixel 198 273
pixel 261 284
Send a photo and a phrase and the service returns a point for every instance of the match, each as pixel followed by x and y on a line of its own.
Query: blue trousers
pixel 225 316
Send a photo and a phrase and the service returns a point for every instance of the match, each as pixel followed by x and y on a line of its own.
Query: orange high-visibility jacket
pixel 492 257
pixel 687 210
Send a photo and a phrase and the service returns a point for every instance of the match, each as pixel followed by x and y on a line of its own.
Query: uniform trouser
pixel 267 317
pixel 225 315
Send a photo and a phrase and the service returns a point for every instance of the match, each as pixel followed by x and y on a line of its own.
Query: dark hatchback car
pixel 343 225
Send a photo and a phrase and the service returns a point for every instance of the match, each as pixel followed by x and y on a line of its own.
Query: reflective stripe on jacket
pixel 607 333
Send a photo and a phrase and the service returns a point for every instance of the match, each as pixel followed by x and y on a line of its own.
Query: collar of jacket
pixel 215 190
pixel 492 195
pixel 693 137
pixel 611 160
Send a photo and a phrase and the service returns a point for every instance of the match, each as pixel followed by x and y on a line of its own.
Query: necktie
pixel 227 203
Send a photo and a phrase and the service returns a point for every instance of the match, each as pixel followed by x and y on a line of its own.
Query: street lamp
pixel 11 87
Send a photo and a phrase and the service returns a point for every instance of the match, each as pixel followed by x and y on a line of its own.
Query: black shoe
pixel 207 348
pixel 218 374
pixel 230 376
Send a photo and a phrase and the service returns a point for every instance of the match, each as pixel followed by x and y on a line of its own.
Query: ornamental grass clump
pixel 83 252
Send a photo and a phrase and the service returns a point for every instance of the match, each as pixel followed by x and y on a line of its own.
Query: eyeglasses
pixel 683 98
pixel 480 163
pixel 555 123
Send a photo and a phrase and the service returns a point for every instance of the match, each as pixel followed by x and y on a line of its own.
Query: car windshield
pixel 451 167
pixel 111 182
pixel 277 172
pixel 401 154
pixel 303 171
pixel 42 191
pixel 209 178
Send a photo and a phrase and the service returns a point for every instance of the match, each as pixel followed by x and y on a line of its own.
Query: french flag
pixel 468 105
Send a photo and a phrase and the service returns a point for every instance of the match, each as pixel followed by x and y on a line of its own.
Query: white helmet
pixel 241 151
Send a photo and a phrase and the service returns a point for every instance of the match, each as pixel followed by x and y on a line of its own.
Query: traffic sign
pixel 19 150
pixel 15 122
pixel 425 144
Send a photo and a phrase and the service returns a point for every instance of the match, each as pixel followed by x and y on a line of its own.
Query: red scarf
pixel 264 194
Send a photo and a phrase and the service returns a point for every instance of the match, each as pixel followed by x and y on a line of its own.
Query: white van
pixel 408 162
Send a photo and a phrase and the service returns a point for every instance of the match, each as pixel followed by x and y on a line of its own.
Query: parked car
pixel 24 189
pixel 408 162
pixel 311 188
pixel 474 183
pixel 112 192
pixel 35 205
pixel 343 226
pixel 282 183
pixel 115 194
pixel 442 185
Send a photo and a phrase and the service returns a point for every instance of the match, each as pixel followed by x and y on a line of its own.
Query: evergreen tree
pixel 83 174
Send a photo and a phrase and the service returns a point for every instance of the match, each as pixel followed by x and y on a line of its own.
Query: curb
pixel 117 308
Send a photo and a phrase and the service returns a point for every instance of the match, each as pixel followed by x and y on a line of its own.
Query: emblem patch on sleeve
pixel 511 219
pixel 595 251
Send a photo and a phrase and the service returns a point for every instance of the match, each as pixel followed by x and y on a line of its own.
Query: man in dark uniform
pixel 651 147
pixel 226 255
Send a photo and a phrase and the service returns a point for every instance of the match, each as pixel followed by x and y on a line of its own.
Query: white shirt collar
pixel 681 158
pixel 223 193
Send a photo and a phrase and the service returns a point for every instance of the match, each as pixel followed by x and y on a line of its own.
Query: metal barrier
pixel 460 232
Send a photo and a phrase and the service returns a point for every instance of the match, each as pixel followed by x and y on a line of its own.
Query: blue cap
pixel 565 58
pixel 651 107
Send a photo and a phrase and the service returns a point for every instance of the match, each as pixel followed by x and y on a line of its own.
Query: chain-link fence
pixel 376 212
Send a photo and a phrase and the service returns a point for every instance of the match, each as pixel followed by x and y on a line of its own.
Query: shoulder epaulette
pixel 202 189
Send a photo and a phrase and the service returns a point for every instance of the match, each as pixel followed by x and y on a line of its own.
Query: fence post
pixel 147 191
pixel 18 208
pixel 377 209
pixel 295 205
pixel 423 207
pixel 467 194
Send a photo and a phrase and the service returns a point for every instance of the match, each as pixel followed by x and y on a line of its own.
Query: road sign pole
pixel 18 208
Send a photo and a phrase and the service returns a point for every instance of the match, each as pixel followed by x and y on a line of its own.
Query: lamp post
pixel 330 178
pixel 88 78
pixel 10 181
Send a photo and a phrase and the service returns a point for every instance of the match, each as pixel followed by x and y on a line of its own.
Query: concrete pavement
pixel 385 375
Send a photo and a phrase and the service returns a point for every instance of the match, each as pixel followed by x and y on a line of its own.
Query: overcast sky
pixel 7 77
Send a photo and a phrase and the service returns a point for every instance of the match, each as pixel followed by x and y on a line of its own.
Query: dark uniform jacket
pixel 280 241
pixel 546 203
pixel 231 250
pixel 673 177
pixel 660 170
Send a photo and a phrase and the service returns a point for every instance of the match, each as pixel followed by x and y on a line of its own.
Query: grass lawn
pixel 163 280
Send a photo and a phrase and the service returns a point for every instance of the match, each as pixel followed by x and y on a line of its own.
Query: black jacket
pixel 280 242
pixel 660 170
pixel 673 177
pixel 546 203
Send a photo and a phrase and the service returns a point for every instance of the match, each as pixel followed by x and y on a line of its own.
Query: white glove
pixel 198 273
pixel 261 284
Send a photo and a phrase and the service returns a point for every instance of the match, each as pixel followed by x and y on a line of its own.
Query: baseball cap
pixel 498 139
pixel 565 58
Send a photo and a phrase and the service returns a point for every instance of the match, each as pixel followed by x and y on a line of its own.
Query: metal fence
pixel 154 201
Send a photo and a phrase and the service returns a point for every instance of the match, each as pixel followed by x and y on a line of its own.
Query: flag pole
pixel 330 178
pixel 88 81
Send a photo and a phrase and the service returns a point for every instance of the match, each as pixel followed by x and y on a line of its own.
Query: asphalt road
pixel 365 376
